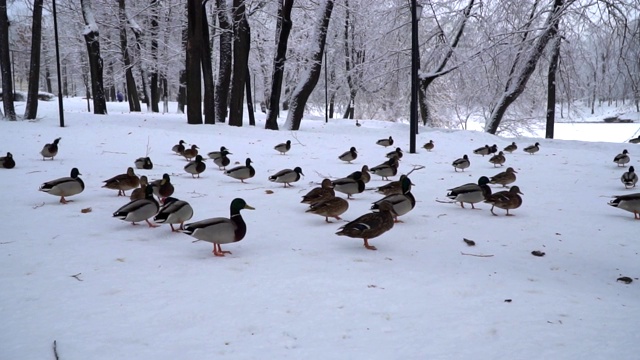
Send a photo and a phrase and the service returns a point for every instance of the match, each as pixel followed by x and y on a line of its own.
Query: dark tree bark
pixel 31 107
pixel 283 30
pixel 353 60
pixel 5 64
pixel 138 34
pixel 551 86
pixel 131 91
pixel 182 89
pixel 250 110
pixel 308 83
pixel 194 51
pixel 241 46
pixel 154 88
pixel 92 38
pixel 207 70
pixel 226 55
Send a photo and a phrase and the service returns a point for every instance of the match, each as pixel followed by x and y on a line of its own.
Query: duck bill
pixel 249 207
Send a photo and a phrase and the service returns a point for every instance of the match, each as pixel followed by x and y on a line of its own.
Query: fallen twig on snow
pixel 476 255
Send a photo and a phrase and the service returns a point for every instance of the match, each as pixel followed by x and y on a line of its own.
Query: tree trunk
pixel 132 91
pixel 194 51
pixel 551 87
pixel 31 107
pixel 226 54
pixel 250 110
pixel 283 31
pixel 155 96
pixel 182 79
pixel 241 46
pixel 92 38
pixel 308 83
pixel 5 64
pixel 354 59
pixel 207 70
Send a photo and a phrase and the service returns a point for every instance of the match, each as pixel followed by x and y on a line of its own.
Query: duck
pixel 498 159
pixel 196 167
pixel 385 142
pixel 349 185
pixel 386 169
pixel 319 194
pixel 242 172
pixel 493 149
pixel 331 207
pixel 511 147
pixel 162 188
pixel 629 178
pixel 371 225
pixel 7 162
pixel 461 163
pixel 221 230
pixel 216 154
pixel 485 150
pixel 429 146
pixel 123 182
pixel 286 176
pixel 282 148
pixel 630 203
pixel 143 163
pixel 402 203
pixel 532 149
pixel 397 153
pixel 504 178
pixel 622 158
pixel 191 152
pixel 349 156
pixel 507 200
pixel 363 174
pixel 635 140
pixel 65 186
pixel 471 193
pixel 138 193
pixel 394 187
pixel 179 147
pixel 223 160
pixel 50 150
pixel 174 211
pixel 140 209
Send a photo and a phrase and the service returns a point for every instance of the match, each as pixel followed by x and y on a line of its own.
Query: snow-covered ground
pixel 104 289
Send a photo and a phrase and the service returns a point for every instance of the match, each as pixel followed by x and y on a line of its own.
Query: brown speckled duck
pixel 504 178
pixel 333 207
pixel 429 146
pixel 323 192
pixel 371 225
pixel 511 148
pixel 123 182
pixel 138 193
pixel 506 200
pixel 498 159
pixel 50 150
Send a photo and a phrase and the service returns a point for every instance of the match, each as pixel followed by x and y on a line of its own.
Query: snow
pixel 292 288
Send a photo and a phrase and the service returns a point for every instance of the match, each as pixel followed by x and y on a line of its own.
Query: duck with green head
pixel 65 186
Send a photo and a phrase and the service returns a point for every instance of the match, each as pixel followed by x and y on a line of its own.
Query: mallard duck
pixel 498 159
pixel 622 158
pixel 349 185
pixel 332 207
pixel 482 150
pixel 223 160
pixel 221 230
pixel 635 140
pixel 191 152
pixel 66 186
pixel 138 193
pixel 363 174
pixel 386 169
pixel 394 187
pixel 507 200
pixel 385 142
pixel 349 156
pixel 50 150
pixel 174 211
pixel 471 193
pixel 7 162
pixel 138 210
pixel 196 167
pixel 216 154
pixel 402 203
pixel 493 149
pixel 511 148
pixel 242 172
pixel 123 182
pixel 318 194
pixel 429 146
pixel 282 148
pixel 532 149
pixel 144 163
pixel 179 147
pixel 162 188
pixel 371 225
pixel 461 163
pixel 504 178
pixel 630 203
pixel 286 176
pixel 630 178
pixel 397 153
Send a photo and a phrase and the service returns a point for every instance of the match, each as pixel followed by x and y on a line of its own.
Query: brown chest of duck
pixel 397 154
pixel 511 147
pixel 221 230
pixel 323 192
pixel 485 150
pixel 50 150
pixel 123 182
pixel 385 142
pixel 196 167
pixel 191 152
pixel 162 188
pixel 282 148
pixel 386 169
pixel 504 178
pixel 349 156
pixel 349 185
pixel 242 173
pixel 138 193
pixel 144 163
pixel 506 200
pixel 369 226
pixel 178 148
pixel 7 162
pixel 223 160
pixel 401 203
pixel 429 146
pixel 65 186
pixel 363 174
pixel 286 176
pixel 498 159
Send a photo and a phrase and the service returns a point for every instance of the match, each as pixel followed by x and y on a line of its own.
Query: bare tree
pixel 92 39
pixel 132 91
pixel 194 51
pixel 551 85
pixel 207 70
pixel 283 29
pixel 5 64
pixel 31 108
pixel 226 54
pixel 241 45
pixel 354 59
pixel 154 34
